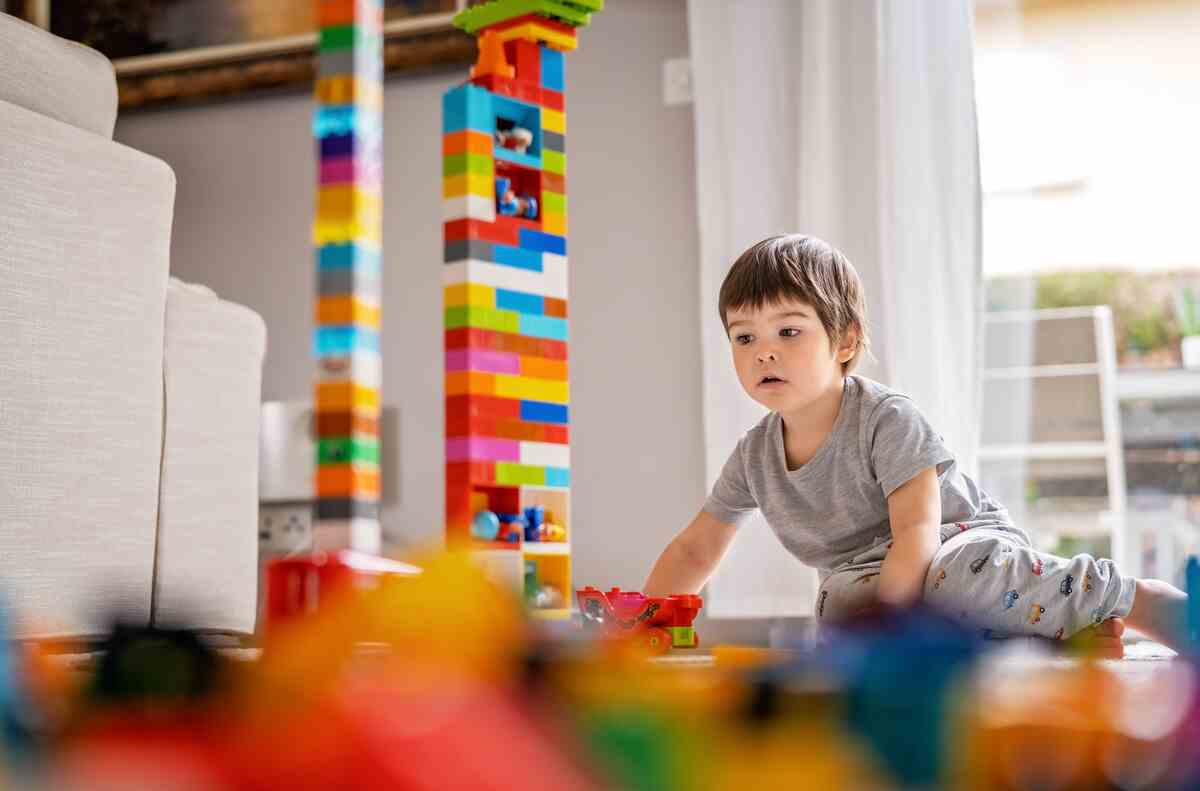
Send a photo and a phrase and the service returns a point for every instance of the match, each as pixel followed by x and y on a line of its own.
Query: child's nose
pixel 767 356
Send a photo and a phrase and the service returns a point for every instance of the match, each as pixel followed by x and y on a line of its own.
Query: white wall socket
pixel 677 81
pixel 284 529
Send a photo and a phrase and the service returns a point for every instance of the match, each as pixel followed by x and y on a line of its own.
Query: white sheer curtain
pixel 854 121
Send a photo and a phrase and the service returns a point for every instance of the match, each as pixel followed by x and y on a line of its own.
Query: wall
pixel 245 202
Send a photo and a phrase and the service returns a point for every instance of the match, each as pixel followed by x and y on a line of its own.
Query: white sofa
pixel 129 401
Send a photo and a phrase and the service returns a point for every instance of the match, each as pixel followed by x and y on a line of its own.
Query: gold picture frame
pixel 417 43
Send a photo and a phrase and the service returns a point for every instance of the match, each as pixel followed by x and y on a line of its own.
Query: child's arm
pixel 915 513
pixel 691 557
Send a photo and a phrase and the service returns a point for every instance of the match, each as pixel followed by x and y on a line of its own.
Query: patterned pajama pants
pixel 997 581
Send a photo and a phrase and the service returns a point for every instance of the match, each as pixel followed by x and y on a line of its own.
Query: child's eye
pixel 742 340
pixel 789 332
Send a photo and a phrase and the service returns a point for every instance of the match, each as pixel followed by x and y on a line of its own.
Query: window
pixel 1088 116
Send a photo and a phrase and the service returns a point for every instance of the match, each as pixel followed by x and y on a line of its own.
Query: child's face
pixel 782 354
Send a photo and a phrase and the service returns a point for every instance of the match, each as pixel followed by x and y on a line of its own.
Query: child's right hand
pixel 1102 641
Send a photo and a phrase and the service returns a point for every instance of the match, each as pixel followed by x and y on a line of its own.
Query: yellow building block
pixel 532 31
pixel 554 223
pixel 554 121
pixel 345 395
pixel 347 310
pixel 508 386
pixel 469 184
pixel 344 199
pixel 469 294
pixel 325 232
pixel 347 89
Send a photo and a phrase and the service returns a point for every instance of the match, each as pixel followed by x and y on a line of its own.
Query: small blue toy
pixel 509 204
pixel 535 516
pixel 485 526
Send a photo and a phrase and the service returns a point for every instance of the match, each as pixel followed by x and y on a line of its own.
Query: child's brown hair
pixel 802 268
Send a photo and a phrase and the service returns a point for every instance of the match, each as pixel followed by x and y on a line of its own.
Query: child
pixel 856 483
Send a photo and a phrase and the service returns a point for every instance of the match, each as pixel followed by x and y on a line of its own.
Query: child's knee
pixel 964 568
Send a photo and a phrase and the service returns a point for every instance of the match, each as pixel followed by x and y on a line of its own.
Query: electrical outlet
pixel 677 81
pixel 284 529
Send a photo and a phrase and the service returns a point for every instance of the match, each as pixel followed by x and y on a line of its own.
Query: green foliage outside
pixel 1151 312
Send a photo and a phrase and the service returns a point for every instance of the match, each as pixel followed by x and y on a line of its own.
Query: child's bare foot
pixel 1160 612
pixel 1102 641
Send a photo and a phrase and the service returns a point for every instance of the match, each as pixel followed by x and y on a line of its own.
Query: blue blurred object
pixel 1192 577
pixel 535 516
pixel 899 669
pixel 16 710
pixel 485 526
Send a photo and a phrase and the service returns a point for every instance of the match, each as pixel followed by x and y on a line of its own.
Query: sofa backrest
pixel 56 78
pixel 85 228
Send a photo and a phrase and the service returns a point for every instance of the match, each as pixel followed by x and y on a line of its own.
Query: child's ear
pixel 849 344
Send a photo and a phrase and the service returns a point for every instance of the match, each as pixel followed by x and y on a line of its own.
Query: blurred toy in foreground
pixel 658 623
pixel 303 585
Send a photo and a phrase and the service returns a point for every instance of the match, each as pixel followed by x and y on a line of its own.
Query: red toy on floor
pixel 659 623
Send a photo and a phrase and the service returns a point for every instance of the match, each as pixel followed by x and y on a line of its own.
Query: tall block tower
pixel 348 126
pixel 504 165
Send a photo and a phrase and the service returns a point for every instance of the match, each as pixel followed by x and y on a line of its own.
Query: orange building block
pixel 346 480
pixel 467 141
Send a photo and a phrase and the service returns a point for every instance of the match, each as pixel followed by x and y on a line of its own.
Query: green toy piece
pixel 576 13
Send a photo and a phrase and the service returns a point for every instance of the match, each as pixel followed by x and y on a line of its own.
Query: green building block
pixel 467 162
pixel 683 636
pixel 576 13
pixel 510 474
pixel 342 450
pixel 482 318
pixel 554 162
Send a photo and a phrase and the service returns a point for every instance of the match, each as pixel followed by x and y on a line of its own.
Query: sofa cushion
pixel 55 77
pixel 85 227
pixel 208 511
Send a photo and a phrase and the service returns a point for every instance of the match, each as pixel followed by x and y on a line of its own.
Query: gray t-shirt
pixel 835 506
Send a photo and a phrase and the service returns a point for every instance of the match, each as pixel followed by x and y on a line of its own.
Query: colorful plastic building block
pixel 505 289
pixel 347 232
pixel 658 623
pixel 299 586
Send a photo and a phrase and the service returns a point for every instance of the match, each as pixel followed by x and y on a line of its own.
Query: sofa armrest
pixel 206 561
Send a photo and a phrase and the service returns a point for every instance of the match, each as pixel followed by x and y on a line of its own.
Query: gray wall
pixel 242 217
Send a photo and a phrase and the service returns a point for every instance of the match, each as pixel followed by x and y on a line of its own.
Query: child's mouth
pixel 768 381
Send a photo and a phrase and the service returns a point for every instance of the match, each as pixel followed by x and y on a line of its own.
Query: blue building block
pixel 526 160
pixel 347 255
pixel 339 145
pixel 557 476
pixel 344 339
pixel 549 327
pixel 542 242
pixel 468 107
pixel 521 302
pixel 344 119
pixel 515 256
pixel 544 412
pixel 552 69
